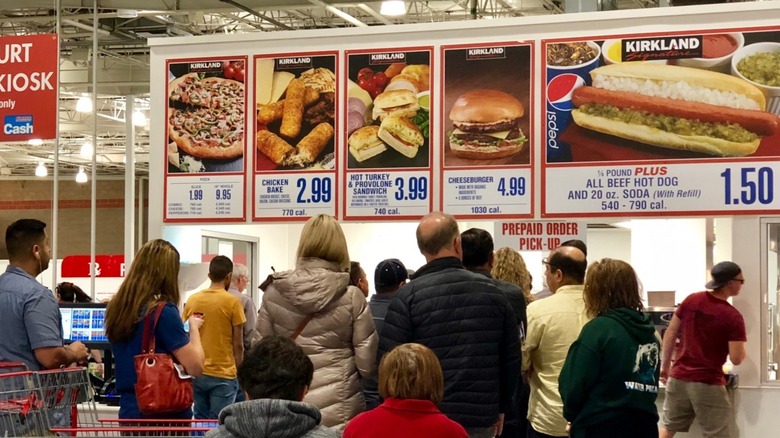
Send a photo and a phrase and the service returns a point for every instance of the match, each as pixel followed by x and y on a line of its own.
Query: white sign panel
pixel 203 198
pixel 490 193
pixel 294 195
pixel 392 194
pixel 726 188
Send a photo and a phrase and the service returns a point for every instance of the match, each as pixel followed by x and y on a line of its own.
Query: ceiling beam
pixel 257 14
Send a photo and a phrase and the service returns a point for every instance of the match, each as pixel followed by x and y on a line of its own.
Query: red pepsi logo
pixel 560 89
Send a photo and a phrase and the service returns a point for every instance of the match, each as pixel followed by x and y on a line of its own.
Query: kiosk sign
pixel 28 87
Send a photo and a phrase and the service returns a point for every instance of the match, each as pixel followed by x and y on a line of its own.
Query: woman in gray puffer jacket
pixel 339 338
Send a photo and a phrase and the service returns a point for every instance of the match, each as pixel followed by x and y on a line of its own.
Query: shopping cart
pixel 61 403
pixel 22 411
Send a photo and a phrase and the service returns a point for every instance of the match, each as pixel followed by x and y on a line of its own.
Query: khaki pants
pixel 713 405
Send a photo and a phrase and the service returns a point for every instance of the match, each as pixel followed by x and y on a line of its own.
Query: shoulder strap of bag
pixel 150 325
pixel 301 326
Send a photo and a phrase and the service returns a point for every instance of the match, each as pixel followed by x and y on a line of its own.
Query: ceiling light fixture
pixel 126 13
pixel 86 150
pixel 81 177
pixel 35 142
pixel 139 118
pixel 393 8
pixel 84 105
pixel 41 170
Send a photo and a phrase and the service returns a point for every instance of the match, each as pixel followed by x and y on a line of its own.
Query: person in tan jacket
pixel 331 319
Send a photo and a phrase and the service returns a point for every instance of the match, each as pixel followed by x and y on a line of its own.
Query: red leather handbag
pixel 162 387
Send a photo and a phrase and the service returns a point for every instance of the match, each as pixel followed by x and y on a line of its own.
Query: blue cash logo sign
pixel 18 124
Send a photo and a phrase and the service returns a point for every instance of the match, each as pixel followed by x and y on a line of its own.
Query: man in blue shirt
pixel 32 326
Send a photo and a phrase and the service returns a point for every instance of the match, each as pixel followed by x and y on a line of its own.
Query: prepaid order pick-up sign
pixel 537 235
pixel 28 87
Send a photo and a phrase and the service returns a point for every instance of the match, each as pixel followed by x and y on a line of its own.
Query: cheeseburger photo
pixel 676 108
pixel 486 125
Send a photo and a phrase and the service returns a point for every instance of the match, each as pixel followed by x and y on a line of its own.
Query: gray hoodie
pixel 270 418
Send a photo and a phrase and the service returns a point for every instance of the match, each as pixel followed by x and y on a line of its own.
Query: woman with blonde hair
pixel 609 381
pixel 151 280
pixel 315 306
pixel 412 384
pixel 509 266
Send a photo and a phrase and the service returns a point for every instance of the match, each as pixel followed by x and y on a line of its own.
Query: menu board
pixel 388 134
pixel 486 158
pixel 205 125
pixel 660 124
pixel 295 124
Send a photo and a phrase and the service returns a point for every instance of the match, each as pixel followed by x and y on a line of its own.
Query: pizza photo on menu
pixel 205 116
pixel 295 113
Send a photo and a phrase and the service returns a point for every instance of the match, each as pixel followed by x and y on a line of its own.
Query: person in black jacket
pixel 467 321
pixel 478 258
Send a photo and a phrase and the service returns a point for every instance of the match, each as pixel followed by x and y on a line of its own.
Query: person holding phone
pixel 152 279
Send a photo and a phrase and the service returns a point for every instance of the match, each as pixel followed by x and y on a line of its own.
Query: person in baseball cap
pixel 722 273
pixel 389 276
pixel 694 380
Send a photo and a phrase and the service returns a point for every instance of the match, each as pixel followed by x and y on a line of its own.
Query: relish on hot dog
pixel 676 108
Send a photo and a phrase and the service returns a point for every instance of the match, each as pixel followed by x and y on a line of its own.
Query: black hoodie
pixel 611 370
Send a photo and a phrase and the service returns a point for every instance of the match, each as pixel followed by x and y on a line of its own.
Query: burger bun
pixel 489 109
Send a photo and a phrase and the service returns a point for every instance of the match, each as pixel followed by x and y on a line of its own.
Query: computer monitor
pixel 85 322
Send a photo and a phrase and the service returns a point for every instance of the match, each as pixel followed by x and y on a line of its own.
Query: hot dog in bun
pixel 486 125
pixel 675 107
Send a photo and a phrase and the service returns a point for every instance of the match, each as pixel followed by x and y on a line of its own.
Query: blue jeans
pixel 212 394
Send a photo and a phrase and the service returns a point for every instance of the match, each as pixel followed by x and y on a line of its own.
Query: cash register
pixel 86 322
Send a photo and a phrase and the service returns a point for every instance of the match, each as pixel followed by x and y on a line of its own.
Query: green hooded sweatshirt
pixel 611 370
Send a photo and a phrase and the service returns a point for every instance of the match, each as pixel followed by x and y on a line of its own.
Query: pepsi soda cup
pixel 561 82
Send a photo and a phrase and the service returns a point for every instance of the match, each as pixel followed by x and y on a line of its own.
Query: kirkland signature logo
pixel 18 125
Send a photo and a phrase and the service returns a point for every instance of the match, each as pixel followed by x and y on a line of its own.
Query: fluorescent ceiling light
pixel 81 177
pixel 86 150
pixel 84 105
pixel 393 8
pixel 41 170
pixel 139 119
pixel 35 142
pixel 126 13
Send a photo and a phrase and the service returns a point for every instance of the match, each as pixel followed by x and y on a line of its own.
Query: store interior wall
pixel 33 199
pixel 668 254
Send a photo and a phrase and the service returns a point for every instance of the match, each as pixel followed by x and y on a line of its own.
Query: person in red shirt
pixel 709 329
pixel 412 383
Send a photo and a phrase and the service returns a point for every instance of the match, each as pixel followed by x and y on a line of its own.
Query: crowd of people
pixel 458 348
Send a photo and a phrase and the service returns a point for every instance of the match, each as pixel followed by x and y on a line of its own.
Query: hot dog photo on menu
pixel 388 109
pixel 205 115
pixel 487 95
pixel 295 104
pixel 649 97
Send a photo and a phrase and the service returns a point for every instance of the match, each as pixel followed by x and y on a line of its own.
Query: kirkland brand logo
pixel 18 125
